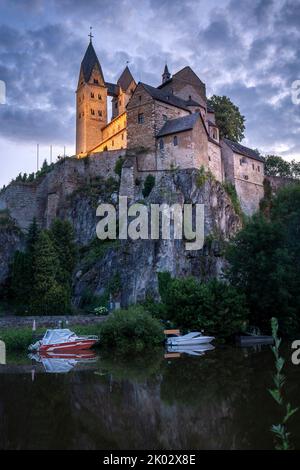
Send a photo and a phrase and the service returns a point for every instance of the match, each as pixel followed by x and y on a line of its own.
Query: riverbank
pixel 14 321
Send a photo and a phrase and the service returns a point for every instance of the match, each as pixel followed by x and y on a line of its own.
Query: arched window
pixel 99 96
pixel 175 140
pixel 92 95
pixel 161 144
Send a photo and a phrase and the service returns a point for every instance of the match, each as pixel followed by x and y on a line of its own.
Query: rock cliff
pixel 72 191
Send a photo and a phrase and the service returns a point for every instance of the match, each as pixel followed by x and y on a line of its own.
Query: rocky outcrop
pixel 73 190
pixel 137 263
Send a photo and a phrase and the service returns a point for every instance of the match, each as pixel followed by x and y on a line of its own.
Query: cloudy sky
pixel 248 50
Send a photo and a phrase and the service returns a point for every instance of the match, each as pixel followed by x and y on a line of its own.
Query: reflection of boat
pixel 190 339
pixel 63 340
pixel 192 350
pixel 63 363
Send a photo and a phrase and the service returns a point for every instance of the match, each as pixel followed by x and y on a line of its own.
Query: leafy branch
pixel 280 430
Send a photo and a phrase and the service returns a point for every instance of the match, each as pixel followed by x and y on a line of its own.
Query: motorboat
pixel 63 340
pixel 192 338
pixel 191 350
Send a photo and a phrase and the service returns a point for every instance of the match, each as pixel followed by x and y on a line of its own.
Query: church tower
pixel 91 102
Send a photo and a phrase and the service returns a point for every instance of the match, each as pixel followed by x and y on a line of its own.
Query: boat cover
pixel 57 336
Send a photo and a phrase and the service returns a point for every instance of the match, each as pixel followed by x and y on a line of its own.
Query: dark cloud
pixel 247 50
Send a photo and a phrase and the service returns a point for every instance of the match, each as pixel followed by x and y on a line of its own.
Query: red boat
pixel 63 340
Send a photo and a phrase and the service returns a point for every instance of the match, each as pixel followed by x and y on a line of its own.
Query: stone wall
pixel 278 182
pixel 49 321
pixel 215 160
pixel 47 196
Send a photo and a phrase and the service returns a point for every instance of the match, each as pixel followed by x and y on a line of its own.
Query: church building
pixel 166 127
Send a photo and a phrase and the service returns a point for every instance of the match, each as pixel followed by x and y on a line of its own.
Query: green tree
pixel 215 306
pixel 230 121
pixel 62 236
pixel 22 268
pixel 48 297
pixel 277 166
pixel 264 263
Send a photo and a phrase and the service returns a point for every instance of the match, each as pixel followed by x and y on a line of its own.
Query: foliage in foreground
pixel 214 306
pixel 280 430
pixel 264 263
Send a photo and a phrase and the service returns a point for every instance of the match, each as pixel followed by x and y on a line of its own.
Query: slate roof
pixel 181 124
pixel 165 97
pixel 242 150
pixel 88 63
pixel 193 103
pixel 112 89
pixel 125 79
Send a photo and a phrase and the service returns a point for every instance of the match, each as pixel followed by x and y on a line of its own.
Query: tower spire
pixel 91 35
pixel 166 75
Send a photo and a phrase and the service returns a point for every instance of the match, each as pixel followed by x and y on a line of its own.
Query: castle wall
pixel 191 151
pixel 141 134
pixel 215 160
pixel 46 196
pixel 249 195
pixel 114 135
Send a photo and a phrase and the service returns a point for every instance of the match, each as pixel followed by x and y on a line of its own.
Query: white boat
pixel 191 350
pixel 192 338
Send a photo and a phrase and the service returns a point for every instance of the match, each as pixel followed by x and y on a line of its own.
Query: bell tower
pixel 91 102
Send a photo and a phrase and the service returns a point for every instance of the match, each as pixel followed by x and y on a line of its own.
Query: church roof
pixel 88 63
pixel 181 124
pixel 125 79
pixel 242 150
pixel 169 98
pixel 112 89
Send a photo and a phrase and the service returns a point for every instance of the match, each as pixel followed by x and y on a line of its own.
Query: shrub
pixel 231 191
pixel 149 184
pixel 119 166
pixel 133 329
pixel 215 306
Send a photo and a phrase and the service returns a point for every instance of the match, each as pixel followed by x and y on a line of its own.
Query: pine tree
pixel 62 236
pixel 48 297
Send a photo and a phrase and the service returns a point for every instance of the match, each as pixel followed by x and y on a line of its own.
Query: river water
pixel 217 400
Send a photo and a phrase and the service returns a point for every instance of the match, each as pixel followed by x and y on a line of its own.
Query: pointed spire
pixel 89 61
pixel 125 79
pixel 166 75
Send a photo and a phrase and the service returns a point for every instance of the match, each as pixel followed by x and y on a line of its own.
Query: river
pixel 217 400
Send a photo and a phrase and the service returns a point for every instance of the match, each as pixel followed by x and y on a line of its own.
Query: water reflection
pixel 63 363
pixel 216 401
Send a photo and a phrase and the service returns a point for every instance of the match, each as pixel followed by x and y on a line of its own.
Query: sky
pixel 248 50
